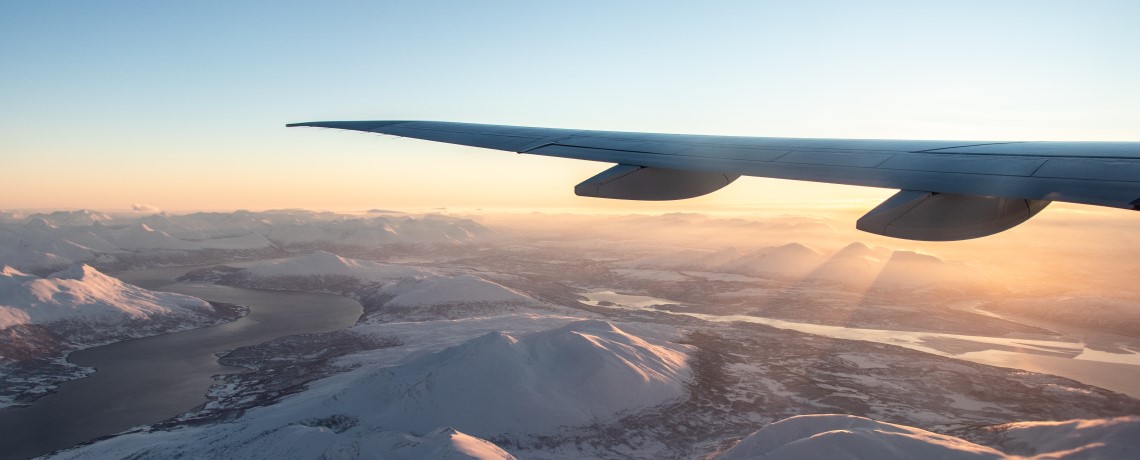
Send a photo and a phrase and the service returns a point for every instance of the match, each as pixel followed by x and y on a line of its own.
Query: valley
pixel 575 350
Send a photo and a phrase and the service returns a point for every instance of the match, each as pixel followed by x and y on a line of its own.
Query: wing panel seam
pixel 971 145
pixel 532 152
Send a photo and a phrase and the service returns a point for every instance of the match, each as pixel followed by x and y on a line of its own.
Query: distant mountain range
pixel 855 266
pixel 43 242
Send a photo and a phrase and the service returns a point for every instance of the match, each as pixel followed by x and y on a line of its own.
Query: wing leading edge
pixel 972 189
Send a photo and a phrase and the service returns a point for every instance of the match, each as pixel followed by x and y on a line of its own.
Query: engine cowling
pixel 631 182
pixel 931 216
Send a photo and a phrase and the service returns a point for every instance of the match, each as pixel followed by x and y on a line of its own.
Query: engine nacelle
pixel 630 182
pixel 930 216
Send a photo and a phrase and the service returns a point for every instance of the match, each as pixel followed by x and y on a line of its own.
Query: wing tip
pixel 351 125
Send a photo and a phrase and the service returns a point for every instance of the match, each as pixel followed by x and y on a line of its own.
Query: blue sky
pixel 181 104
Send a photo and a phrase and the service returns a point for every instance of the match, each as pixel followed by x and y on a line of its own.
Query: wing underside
pixel 1096 173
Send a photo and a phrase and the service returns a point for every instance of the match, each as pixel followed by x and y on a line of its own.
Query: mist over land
pixel 574 334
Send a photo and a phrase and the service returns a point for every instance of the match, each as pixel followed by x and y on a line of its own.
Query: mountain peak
pixel 572 375
pixel 795 248
pixel 79 272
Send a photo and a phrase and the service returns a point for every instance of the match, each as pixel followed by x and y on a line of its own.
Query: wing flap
pixel 1091 169
pixel 968 164
pixel 1053 149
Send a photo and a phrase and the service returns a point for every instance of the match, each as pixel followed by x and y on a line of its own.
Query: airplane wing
pixel 949 190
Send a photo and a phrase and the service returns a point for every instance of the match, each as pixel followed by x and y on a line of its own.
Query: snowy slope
pixel 834 436
pixel 455 289
pixel 856 265
pixel 577 374
pixel 847 437
pixel 789 261
pixel 375 231
pixel 83 294
pixel 1074 439
pixel 313 440
pixel 321 263
pixel 408 293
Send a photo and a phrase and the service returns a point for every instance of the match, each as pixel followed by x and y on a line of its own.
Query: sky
pixel 182 105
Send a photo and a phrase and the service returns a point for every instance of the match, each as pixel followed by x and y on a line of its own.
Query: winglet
pixel 350 125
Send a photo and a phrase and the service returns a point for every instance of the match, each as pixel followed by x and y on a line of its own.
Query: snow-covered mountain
pixel 83 295
pixel 856 265
pixel 858 438
pixel 455 289
pixel 78 217
pixel 389 291
pixel 788 261
pixel 42 319
pixel 495 385
pixel 578 374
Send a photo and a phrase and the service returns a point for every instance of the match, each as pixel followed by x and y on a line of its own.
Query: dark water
pixel 148 380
